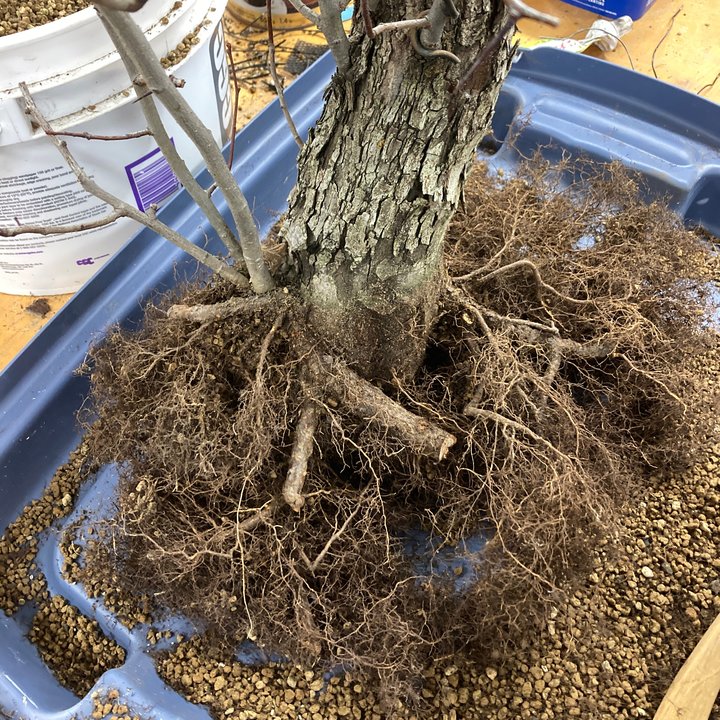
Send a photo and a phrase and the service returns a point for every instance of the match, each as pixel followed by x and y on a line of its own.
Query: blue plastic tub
pixel 558 101
pixel 614 8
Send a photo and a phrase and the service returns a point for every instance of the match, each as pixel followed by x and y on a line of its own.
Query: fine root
pixel 270 492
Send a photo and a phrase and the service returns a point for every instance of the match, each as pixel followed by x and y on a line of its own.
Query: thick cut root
pixel 366 401
pixel 301 452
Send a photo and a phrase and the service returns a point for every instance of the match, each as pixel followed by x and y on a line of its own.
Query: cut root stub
pixel 364 400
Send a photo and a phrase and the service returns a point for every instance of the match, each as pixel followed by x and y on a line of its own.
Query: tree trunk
pixel 379 180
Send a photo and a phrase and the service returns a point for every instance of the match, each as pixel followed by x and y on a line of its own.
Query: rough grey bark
pixel 379 180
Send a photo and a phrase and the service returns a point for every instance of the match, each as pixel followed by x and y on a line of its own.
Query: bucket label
pixel 46 196
pixel 151 179
pixel 221 76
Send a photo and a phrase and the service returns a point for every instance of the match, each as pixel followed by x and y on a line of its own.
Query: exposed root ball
pixel 260 499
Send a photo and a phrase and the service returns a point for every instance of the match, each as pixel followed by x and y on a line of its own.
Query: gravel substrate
pixel 17 15
pixel 72 645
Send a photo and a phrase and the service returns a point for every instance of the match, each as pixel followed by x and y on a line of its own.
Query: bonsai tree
pixel 301 439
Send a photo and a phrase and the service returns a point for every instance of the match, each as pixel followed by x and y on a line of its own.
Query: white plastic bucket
pixel 80 84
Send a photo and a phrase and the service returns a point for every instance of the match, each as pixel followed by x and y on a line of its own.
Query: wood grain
pixel 695 688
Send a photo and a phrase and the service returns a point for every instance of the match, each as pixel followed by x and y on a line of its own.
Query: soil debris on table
pixel 40 307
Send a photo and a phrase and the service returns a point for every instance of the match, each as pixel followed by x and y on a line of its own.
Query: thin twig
pixel 91 136
pixel 157 80
pixel 236 104
pixel 709 86
pixel 517 10
pixel 306 12
pixel 490 46
pixel 60 229
pixel 367 20
pixel 277 80
pixel 662 40
pixel 123 209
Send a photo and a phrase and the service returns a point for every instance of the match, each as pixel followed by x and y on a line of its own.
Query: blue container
pixel 557 101
pixel 614 8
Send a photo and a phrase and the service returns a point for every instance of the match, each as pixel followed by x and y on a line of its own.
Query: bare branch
pixel 156 79
pixel 419 23
pixel 236 104
pixel 60 229
pixel 91 136
pixel 123 209
pixel 301 452
pixel 517 10
pixel 426 42
pixel 331 26
pixel 167 147
pixel 277 80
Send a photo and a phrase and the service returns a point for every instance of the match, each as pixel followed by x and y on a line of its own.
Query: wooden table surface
pixel 675 41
